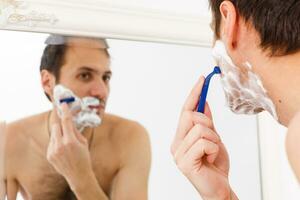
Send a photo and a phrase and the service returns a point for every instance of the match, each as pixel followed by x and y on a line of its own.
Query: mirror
pixel 149 85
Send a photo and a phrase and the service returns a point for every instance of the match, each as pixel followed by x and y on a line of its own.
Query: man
pixel 257 45
pixel 47 158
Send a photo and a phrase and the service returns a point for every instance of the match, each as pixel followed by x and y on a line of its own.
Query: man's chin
pixel 101 113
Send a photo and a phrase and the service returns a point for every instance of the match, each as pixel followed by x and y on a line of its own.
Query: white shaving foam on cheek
pixel 87 117
pixel 243 96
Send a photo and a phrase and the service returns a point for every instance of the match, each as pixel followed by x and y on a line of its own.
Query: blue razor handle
pixel 205 87
pixel 67 100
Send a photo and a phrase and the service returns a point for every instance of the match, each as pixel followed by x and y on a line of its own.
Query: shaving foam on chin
pixel 245 94
pixel 83 115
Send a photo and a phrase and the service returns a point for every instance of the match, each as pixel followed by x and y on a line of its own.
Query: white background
pixel 149 84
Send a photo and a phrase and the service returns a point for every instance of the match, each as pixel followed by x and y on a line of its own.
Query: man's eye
pixel 106 78
pixel 85 76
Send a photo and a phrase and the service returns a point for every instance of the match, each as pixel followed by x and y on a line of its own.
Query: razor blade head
pixel 67 100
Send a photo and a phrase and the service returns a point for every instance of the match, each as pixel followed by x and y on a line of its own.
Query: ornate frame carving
pixel 104 19
pixel 18 12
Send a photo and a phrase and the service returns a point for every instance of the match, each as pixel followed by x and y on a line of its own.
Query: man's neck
pixel 281 79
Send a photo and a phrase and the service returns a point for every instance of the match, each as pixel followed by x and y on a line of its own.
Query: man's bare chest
pixel 39 180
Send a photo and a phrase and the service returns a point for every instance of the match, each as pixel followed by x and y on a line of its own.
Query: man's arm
pixel 2 173
pixel 292 144
pixel 89 189
pixel 131 182
pixel 9 184
pixel 199 152
pixel 68 153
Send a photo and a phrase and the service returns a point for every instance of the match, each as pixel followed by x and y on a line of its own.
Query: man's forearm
pixel 89 189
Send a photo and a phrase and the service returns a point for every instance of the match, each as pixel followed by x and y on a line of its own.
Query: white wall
pixel 150 83
pixel 278 181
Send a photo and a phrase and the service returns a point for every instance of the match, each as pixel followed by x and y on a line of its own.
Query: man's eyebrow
pixel 91 69
pixel 108 72
pixel 86 68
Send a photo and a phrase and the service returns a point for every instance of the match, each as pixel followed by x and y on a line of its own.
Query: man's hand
pixel 68 153
pixel 199 152
pixel 68 150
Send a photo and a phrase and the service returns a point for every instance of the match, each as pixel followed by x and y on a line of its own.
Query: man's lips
pixel 97 107
pixel 94 107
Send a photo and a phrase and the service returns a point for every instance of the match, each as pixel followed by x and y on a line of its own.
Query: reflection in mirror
pixel 139 89
pixel 74 147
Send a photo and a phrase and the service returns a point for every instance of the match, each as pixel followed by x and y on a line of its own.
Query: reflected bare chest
pixel 38 180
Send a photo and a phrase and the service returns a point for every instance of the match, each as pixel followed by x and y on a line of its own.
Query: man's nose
pixel 100 90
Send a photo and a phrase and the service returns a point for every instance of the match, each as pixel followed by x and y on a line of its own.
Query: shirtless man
pixel 47 158
pixel 258 50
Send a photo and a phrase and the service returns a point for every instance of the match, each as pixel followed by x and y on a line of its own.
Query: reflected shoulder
pixel 123 126
pixel 26 124
pixel 125 131
pixel 18 133
pixel 132 139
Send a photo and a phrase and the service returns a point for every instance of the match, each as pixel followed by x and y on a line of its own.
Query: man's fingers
pixel 189 117
pixel 207 111
pixel 193 98
pixel 56 134
pixel 67 122
pixel 80 137
pixel 55 140
pixel 194 156
pixel 56 118
pixel 197 132
pixel 203 147
pixel 187 121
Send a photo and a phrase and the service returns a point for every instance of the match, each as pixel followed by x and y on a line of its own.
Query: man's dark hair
pixel 276 21
pixel 53 59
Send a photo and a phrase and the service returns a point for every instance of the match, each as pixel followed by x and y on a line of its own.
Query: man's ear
pixel 48 82
pixel 229 24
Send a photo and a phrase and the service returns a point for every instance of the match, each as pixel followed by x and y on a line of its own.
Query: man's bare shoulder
pixel 19 132
pixel 130 139
pixel 122 130
pixel 26 125
pixel 123 126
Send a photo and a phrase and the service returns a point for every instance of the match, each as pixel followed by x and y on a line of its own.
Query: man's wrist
pixel 83 182
pixel 228 195
pixel 88 188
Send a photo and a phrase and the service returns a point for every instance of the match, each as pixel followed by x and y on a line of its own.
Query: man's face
pixel 244 90
pixel 86 72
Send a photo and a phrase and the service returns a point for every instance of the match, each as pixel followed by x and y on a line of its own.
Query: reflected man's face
pixel 86 71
